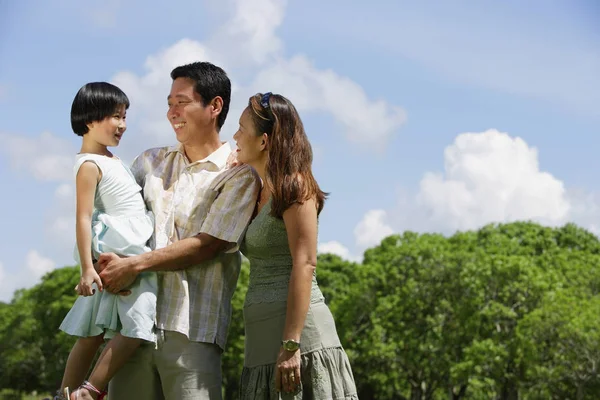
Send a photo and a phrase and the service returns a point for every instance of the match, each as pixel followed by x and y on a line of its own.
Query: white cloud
pixel 366 121
pixel 253 26
pixel 64 192
pixel 61 227
pixel 36 266
pixel 247 47
pixel 488 177
pixel 585 209
pixel 372 229
pixel 491 177
pixel 46 157
pixel 335 247
pixel 148 95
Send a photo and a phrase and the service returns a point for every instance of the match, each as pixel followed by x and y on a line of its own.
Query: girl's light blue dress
pixel 122 225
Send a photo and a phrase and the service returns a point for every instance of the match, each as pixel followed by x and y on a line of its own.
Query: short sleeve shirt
pixel 187 199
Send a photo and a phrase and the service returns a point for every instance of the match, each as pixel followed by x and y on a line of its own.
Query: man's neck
pixel 201 149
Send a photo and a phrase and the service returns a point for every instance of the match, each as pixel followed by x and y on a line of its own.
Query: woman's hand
pixel 85 283
pixel 287 372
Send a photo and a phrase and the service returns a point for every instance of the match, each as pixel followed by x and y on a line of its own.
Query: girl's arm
pixel 87 179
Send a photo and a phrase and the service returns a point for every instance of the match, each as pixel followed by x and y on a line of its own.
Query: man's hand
pixel 116 273
pixel 232 160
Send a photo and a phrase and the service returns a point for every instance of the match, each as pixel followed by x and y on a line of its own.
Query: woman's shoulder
pixel 239 175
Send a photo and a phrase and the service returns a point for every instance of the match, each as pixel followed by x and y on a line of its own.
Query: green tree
pixel 562 342
pixel 19 346
pixel 335 277
pixel 398 317
pixel 506 312
pixel 52 299
pixel 33 351
pixel 434 317
pixel 233 358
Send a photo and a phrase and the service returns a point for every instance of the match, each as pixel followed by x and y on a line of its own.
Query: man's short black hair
pixel 210 81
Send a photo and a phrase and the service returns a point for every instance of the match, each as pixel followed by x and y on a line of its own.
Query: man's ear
pixel 217 105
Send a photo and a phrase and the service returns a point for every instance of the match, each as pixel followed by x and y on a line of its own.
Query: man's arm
pixel 222 229
pixel 179 255
pixel 232 210
pixel 182 254
pixel 118 273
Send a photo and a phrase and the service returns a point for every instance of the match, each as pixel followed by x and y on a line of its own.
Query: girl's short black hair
pixel 94 102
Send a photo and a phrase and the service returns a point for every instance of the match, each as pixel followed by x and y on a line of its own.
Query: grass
pixel 10 395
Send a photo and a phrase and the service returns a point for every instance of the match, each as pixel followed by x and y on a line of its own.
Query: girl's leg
pixel 116 352
pixel 79 361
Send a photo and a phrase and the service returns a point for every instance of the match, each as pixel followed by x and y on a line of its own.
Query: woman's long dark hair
pixel 289 161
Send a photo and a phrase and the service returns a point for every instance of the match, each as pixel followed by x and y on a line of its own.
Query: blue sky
pixel 428 116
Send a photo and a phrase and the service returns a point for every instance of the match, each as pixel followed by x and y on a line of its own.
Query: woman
pixel 292 346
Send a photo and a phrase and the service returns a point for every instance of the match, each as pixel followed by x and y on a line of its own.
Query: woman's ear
pixel 264 142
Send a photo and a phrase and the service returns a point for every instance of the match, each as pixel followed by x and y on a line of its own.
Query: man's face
pixel 187 115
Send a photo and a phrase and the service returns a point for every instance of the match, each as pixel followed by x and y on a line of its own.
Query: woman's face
pixel 251 145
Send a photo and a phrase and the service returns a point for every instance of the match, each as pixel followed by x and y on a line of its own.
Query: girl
pixel 292 348
pixel 111 217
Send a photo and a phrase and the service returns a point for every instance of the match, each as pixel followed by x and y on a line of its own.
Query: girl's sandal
pixel 62 394
pixel 87 385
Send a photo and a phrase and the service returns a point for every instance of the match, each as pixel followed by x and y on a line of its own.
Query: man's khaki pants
pixel 174 369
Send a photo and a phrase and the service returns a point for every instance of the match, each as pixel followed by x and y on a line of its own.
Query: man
pixel 202 208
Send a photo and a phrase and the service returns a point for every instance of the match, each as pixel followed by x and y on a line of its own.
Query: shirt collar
pixel 218 157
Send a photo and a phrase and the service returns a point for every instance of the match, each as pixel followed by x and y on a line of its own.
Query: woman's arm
pixel 301 226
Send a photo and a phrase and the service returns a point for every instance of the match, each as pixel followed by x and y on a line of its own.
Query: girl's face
pixel 251 146
pixel 109 131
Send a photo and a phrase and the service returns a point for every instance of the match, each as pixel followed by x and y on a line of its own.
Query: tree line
pixel 507 312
